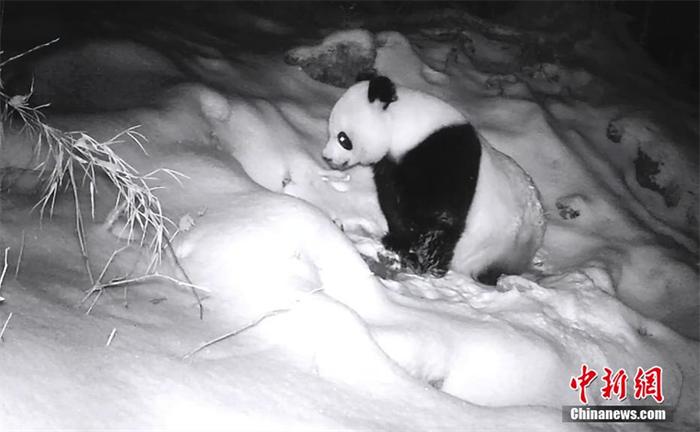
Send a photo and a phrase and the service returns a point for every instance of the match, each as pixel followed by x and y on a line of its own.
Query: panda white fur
pixel 450 199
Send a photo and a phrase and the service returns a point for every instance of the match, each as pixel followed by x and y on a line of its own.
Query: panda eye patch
pixel 344 141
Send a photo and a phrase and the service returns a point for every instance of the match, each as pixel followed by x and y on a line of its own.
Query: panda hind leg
pixel 431 252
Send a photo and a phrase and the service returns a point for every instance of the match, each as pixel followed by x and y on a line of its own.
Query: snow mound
pixel 462 346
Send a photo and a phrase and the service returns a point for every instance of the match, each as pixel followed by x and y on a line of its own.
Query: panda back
pixel 441 172
pixel 432 186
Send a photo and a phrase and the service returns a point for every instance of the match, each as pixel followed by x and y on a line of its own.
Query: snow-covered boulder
pixel 338 59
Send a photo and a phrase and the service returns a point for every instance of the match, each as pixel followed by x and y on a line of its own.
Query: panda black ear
pixel 381 87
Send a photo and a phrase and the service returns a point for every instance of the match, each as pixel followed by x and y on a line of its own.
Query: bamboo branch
pixel 22 54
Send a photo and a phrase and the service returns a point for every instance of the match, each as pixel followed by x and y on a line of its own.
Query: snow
pixel 615 284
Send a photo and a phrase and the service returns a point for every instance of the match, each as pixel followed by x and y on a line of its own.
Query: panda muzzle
pixel 334 165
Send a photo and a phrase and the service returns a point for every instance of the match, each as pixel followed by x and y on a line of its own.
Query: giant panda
pixel 451 201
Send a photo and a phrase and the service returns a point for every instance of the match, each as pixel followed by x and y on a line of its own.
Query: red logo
pixel 614 384
pixel 582 381
pixel 646 383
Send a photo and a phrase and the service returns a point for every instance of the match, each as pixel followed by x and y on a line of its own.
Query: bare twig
pixel 94 301
pixel 169 245
pixel 235 332
pixel 4 326
pixel 92 200
pixel 152 276
pixel 2 16
pixel 249 325
pixel 109 262
pixel 99 287
pixel 111 337
pixel 20 55
pixel 4 268
pixel 19 257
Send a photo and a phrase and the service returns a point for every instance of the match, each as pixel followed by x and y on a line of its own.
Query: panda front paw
pixel 395 243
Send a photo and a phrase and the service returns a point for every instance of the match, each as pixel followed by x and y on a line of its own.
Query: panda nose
pixel 328 160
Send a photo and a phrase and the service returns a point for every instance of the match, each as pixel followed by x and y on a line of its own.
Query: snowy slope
pixel 615 284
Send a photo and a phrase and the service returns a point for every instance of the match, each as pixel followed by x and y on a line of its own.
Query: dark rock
pixel 613 133
pixel 646 170
pixel 338 60
pixel 571 206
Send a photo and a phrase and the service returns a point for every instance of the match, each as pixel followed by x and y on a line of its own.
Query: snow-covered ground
pixel 615 284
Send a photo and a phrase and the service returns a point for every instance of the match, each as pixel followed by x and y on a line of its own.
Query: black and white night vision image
pixel 357 216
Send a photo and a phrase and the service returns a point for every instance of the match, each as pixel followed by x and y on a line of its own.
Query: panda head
pixel 359 125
